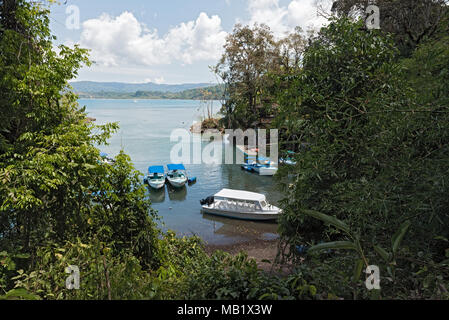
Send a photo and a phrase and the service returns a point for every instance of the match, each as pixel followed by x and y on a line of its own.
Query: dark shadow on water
pixel 156 196
pixel 234 227
pixel 176 194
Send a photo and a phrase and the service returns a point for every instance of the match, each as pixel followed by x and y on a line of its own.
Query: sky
pixel 170 41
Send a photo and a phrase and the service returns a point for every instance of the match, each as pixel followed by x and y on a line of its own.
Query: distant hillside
pixel 95 87
pixel 205 93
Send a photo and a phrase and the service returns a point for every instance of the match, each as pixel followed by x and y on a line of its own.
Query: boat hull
pixel 247 167
pixel 266 171
pixel 156 184
pixel 252 216
pixel 177 183
pixel 261 170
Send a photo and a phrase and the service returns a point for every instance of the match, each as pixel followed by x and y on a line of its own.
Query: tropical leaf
pixel 329 220
pixel 334 245
pixel 383 253
pixel 357 270
pixel 19 294
pixel 399 235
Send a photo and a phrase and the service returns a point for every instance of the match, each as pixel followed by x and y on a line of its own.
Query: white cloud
pixel 304 13
pixel 159 80
pixel 270 13
pixel 124 40
pixel 125 49
pixel 282 19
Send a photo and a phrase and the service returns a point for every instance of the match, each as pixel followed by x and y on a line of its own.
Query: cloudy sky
pixel 169 41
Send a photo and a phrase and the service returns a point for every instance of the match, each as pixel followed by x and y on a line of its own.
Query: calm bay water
pixel 145 129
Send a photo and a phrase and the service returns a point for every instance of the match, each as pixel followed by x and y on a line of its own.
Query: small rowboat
pixel 156 177
pixel 177 175
pixel 106 159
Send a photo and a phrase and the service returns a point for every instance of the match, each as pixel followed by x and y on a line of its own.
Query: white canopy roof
pixel 240 195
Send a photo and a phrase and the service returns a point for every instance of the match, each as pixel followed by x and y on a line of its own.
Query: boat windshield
pixel 177 174
pixel 238 204
pixel 263 204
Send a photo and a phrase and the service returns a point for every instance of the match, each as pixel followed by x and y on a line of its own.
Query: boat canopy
pixel 258 158
pixel 156 169
pixel 103 154
pixel 173 167
pixel 240 195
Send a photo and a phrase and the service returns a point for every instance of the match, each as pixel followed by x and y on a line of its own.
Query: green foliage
pixel 102 275
pixel 9 263
pixel 430 19
pixel 187 272
pixel 375 172
pixel 252 55
pixel 121 213
pixel 55 190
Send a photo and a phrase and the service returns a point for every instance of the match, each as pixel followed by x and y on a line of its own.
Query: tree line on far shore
pixel 207 93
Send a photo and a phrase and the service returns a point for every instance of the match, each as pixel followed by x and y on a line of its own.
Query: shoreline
pixel 144 99
pixel 259 250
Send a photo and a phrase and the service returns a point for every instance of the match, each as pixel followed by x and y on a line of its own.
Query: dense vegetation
pixel 60 205
pixel 371 187
pixel 252 59
pixel 372 107
pixel 207 93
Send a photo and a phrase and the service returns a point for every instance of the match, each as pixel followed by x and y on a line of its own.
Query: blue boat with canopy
pixel 156 177
pixel 177 175
pixel 106 159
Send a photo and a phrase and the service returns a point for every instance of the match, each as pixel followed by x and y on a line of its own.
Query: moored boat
pixel 260 165
pixel 238 204
pixel 106 159
pixel 156 177
pixel 177 175
pixel 289 159
pixel 265 169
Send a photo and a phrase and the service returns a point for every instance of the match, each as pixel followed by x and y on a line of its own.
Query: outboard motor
pixel 208 201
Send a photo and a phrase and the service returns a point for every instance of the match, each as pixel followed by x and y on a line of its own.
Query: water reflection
pixel 156 196
pixel 176 194
pixel 239 228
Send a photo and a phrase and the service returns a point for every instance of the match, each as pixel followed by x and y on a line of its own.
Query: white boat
pixel 289 160
pixel 156 177
pixel 176 175
pixel 265 170
pixel 242 205
pixel 262 166
pixel 106 159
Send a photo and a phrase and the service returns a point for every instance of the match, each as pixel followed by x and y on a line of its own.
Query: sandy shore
pixel 263 251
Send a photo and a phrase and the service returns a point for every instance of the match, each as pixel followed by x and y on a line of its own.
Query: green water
pixel 145 129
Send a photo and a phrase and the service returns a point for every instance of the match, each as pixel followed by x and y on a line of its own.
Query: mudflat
pixel 263 251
